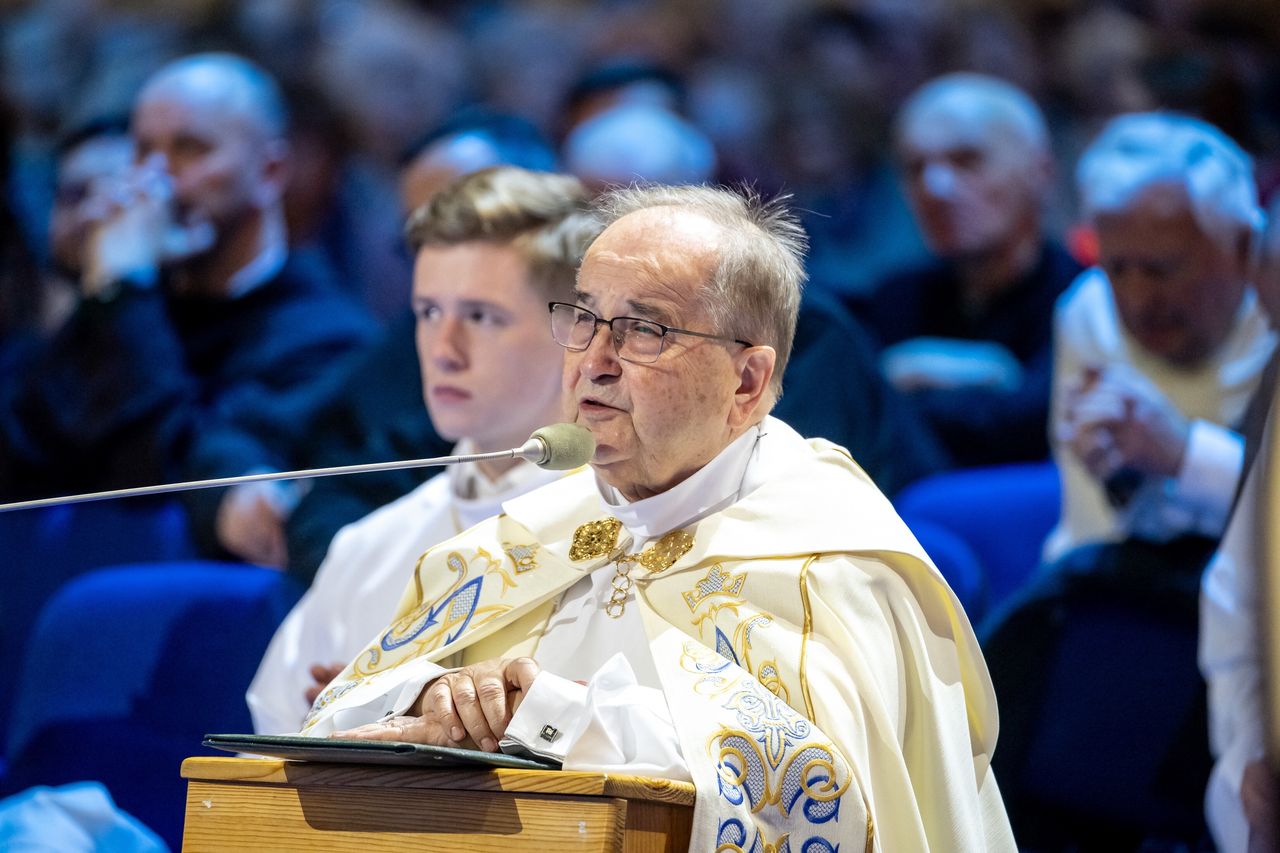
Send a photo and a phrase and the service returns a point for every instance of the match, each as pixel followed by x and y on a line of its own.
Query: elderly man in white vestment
pixel 1159 348
pixel 492 248
pixel 715 599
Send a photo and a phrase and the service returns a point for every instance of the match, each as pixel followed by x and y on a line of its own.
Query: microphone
pixel 558 447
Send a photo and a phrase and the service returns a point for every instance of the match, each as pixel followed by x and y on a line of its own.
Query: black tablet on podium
pixel 299 748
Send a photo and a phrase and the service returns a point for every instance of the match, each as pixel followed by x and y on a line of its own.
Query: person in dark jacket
pixel 200 347
pixel 968 336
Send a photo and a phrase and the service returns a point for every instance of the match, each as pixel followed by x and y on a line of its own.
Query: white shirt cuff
pixel 1211 468
pixel 547 719
pixel 612 725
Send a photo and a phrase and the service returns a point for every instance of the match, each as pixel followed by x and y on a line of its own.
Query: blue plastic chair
pixel 40 550
pixel 1003 513
pixel 127 669
pixel 1103 724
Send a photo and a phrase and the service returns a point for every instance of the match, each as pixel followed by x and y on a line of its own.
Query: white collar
pixel 264 266
pixel 477 497
pixel 716 485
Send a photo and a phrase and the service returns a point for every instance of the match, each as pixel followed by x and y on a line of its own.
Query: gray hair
pixel 754 291
pixel 243 88
pixel 1000 103
pixel 1140 149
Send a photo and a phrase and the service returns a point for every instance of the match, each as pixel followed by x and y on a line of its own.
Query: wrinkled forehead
pixel 670 250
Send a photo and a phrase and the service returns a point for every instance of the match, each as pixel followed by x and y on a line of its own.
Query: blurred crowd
pixel 793 95
pixel 1034 230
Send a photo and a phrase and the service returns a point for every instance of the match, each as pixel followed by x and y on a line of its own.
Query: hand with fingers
pixel 468 707
pixel 134 227
pixel 1117 420
pixel 321 675
pixel 250 524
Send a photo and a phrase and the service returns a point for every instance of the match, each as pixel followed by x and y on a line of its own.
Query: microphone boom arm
pixel 534 450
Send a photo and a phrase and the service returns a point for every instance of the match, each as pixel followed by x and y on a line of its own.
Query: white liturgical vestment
pixel 1232 664
pixel 356 589
pixel 1088 333
pixel 825 686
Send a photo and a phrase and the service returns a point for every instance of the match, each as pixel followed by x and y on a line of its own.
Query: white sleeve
pixel 316 631
pixel 1231 667
pixel 275 696
pixel 611 724
pixel 384 694
pixel 1210 473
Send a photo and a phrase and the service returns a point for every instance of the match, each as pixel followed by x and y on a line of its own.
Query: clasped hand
pixel 1115 419
pixel 469 707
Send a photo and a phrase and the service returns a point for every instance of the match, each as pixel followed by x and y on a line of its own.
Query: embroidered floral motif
pixel 775 726
pixel 331 694
pixel 433 624
pixel 718 581
pixel 595 539
pixel 771 679
pixel 767 762
pixel 523 557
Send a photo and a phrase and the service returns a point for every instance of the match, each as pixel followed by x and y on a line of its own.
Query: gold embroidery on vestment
pixel 658 557
pixel 523 557
pixel 594 539
pixel 718 581
pixel 804 637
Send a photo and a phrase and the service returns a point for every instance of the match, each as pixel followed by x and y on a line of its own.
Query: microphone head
pixel 565 446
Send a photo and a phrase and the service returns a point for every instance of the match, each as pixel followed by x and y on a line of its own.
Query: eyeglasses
pixel 635 340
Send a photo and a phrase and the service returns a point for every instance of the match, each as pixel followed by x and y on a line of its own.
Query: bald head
pixel 975 153
pixel 231 86
pixel 990 104
pixel 215 124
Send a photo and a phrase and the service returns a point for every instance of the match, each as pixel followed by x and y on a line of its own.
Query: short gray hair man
pixel 1138 150
pixel 755 290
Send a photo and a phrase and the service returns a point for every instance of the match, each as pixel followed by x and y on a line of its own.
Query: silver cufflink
pixel 549 733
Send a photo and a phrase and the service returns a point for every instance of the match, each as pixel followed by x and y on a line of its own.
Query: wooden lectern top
pixel 270 804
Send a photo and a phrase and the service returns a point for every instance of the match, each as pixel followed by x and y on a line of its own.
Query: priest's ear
pixel 756 393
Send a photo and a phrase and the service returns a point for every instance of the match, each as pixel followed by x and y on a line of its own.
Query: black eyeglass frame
pixel 666 330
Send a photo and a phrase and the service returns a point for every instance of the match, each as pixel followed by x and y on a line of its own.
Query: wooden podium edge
pixel 275 771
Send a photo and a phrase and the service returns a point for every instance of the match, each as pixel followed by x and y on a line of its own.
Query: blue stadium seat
pixel 1103 724
pixel 1003 513
pixel 42 549
pixel 127 669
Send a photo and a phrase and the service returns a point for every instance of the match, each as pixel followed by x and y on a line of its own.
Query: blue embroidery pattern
pixel 767 763
pixel 724 648
pixel 432 625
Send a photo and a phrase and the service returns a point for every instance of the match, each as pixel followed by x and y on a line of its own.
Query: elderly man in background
pixel 742 607
pixel 199 346
pixel 1160 348
pixel 968 337
pixel 492 249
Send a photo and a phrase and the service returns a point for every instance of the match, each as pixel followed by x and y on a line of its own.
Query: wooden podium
pixel 268 804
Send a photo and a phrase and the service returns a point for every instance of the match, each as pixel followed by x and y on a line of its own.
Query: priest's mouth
pixel 593 406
